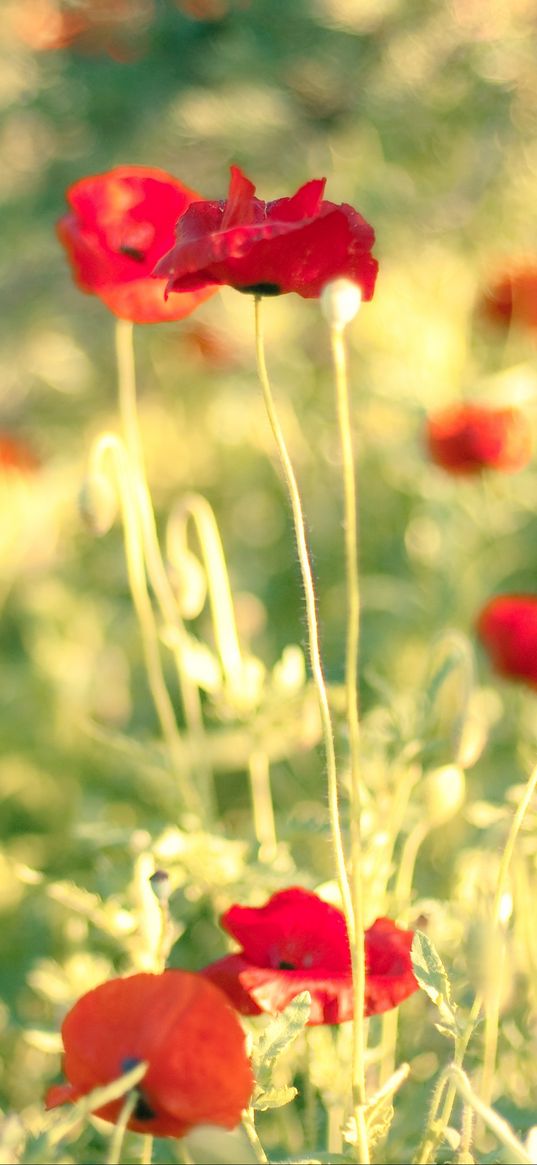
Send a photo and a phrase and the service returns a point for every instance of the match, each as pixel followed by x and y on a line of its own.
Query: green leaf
pixel 273 1098
pixel 432 977
pixel 279 1034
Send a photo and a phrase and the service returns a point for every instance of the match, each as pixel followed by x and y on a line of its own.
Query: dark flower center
pixel 261 289
pixel 142 1110
pixel 283 965
pixel 132 253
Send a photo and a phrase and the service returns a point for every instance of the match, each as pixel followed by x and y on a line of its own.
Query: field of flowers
pixel 268 582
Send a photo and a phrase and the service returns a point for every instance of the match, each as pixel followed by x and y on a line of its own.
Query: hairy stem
pixel 353 721
pixel 311 618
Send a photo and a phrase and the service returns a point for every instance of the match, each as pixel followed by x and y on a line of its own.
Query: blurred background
pixel 422 116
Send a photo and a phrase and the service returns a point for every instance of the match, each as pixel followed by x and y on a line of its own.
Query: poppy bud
pixel 340 302
pixel 188 579
pixel 97 503
pixel 443 793
pixel 160 885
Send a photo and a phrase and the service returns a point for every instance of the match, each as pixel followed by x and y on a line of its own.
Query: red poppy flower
pixel 297 942
pixel 184 1027
pixel 468 438
pixel 269 248
pixel 120 224
pixel 512 296
pixel 507 627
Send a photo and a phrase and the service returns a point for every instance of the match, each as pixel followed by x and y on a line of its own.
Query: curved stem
pixel 353 720
pixel 311 618
pixel 156 570
pixel 109 444
pixel 197 509
pixel 496 1123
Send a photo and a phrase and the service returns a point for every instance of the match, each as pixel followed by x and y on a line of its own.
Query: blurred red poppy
pixel 512 297
pixel 16 456
pixel 507 627
pixel 183 1026
pixel 120 224
pixel 467 438
pixel 115 27
pixel 297 942
pixel 269 248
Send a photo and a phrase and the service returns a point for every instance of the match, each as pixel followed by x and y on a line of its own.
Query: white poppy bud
pixel 340 302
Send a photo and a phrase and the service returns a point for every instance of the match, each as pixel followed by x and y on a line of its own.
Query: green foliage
pixel 277 1037
pixel 432 977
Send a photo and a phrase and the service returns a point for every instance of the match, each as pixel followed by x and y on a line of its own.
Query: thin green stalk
pixel 495 1123
pixel 464 1154
pixel 436 1125
pixel 248 1124
pixel 310 1095
pixel 109 444
pixel 147 1151
pixel 390 1020
pixel 445 1090
pixel 407 864
pixel 492 1013
pixel 118 1135
pixel 353 721
pixel 156 570
pixel 336 1120
pixel 262 807
pixel 311 618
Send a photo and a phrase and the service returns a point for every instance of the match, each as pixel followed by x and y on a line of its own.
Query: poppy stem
pixel 156 570
pixel 147 1151
pixel 353 721
pixel 111 446
pixel 248 1123
pixel 311 619
pixel 118 1135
